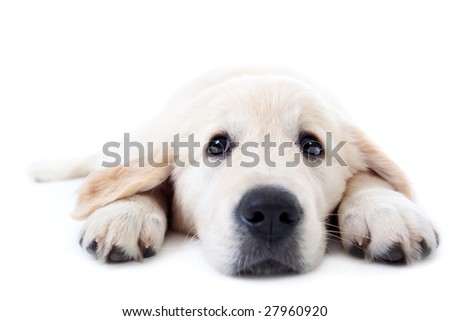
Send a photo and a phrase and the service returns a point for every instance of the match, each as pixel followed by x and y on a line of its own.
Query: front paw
pixel 386 227
pixel 125 230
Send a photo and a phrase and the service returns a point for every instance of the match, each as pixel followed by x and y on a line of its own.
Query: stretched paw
pixel 386 227
pixel 125 230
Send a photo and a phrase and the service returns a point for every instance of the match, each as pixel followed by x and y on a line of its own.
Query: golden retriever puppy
pixel 254 163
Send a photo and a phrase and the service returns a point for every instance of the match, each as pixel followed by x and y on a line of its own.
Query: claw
pixel 358 248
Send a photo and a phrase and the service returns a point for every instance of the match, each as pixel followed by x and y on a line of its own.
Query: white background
pixel 76 74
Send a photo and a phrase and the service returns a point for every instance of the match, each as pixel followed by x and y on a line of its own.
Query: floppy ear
pixel 375 160
pixel 107 185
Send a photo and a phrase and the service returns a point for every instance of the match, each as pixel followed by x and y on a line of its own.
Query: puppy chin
pixel 255 257
pixel 244 256
pixel 269 267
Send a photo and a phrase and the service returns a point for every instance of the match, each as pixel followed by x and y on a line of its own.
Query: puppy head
pixel 273 161
pixel 261 208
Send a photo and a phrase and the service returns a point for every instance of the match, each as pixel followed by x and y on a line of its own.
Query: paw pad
pixel 118 255
pixel 394 255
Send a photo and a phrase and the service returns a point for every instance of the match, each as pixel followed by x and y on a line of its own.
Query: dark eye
pixel 311 146
pixel 218 146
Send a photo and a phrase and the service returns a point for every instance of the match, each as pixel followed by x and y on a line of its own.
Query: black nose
pixel 269 213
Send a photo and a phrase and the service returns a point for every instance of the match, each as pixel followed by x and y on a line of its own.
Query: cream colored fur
pixel 373 195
